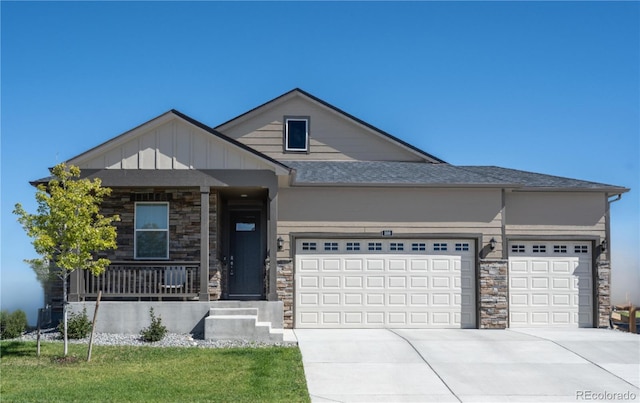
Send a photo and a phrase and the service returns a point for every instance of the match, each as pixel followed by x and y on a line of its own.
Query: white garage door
pixel 550 284
pixel 382 283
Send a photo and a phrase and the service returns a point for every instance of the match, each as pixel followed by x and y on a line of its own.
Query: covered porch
pixel 221 238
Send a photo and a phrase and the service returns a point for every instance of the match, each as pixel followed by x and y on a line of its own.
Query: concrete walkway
pixel 523 365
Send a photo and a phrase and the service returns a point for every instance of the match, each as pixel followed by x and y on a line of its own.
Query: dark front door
pixel 245 255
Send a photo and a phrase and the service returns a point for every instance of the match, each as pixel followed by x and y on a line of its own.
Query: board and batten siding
pixel 546 214
pixel 402 210
pixel 174 145
pixel 332 136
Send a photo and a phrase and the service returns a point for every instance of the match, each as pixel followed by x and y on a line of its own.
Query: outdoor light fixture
pixel 603 245
pixel 280 243
pixel 492 243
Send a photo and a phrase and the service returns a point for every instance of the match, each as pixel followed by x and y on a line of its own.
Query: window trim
pixel 286 147
pixel 135 231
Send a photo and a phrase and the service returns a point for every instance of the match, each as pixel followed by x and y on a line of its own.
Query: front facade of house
pixel 338 224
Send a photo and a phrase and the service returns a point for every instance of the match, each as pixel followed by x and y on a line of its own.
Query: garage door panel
pixel 309 281
pixel 331 282
pixel 375 282
pixel 550 284
pixel 397 299
pixel 307 264
pixel 329 299
pixel 397 265
pixel 353 281
pixel 374 318
pixel 399 284
pixel 353 264
pixel 375 264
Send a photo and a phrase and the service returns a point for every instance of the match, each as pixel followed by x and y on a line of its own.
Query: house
pixel 297 214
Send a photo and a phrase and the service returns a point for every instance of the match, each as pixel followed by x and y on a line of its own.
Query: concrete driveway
pixel 523 365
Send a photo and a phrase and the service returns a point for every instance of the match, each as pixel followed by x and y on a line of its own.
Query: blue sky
pixel 550 87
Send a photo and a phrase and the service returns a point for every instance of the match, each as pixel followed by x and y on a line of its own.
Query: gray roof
pixel 387 173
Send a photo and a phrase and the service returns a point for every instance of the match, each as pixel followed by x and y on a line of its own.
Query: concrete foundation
pixel 130 317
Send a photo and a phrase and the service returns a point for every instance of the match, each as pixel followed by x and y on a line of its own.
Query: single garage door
pixel 550 284
pixel 383 283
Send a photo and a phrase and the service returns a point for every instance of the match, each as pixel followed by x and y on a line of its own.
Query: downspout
pixel 607 228
pixel 607 235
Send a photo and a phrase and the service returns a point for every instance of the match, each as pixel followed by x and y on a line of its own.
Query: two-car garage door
pixel 383 283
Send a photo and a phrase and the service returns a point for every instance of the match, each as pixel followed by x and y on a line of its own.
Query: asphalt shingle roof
pixel 387 173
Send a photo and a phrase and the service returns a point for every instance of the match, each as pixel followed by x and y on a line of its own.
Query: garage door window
pixel 353 246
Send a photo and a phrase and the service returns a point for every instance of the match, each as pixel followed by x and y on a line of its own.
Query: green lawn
pixel 151 374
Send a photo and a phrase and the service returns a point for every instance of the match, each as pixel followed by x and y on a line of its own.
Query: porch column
pixel 75 284
pixel 272 236
pixel 204 243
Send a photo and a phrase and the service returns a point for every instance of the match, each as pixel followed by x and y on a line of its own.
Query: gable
pixel 333 134
pixel 173 142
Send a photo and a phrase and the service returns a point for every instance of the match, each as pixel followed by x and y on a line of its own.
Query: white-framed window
pixel 151 240
pixel 296 134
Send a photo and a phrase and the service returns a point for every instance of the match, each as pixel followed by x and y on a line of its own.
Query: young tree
pixel 68 229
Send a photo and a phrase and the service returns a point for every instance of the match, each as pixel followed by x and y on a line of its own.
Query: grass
pixel 150 374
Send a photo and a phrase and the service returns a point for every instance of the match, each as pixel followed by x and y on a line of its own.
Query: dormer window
pixel 296 134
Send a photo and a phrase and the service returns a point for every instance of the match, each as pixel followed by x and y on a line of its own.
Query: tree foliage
pixel 68 229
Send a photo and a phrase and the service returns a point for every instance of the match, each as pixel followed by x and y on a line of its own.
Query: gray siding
pixel 332 136
pixel 402 210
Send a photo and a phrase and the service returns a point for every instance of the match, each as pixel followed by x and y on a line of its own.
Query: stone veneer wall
pixel 604 292
pixel 184 225
pixel 494 309
pixel 285 290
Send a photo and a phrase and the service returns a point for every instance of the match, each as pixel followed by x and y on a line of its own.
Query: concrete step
pixel 233 311
pixel 239 324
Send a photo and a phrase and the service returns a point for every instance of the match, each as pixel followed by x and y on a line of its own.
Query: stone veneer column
pixel 204 243
pixel 604 293
pixel 493 294
pixel 285 290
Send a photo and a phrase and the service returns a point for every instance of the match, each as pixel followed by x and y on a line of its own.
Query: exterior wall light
pixel 492 243
pixel 280 242
pixel 603 245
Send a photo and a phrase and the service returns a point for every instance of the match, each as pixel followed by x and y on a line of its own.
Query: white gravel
pixel 170 340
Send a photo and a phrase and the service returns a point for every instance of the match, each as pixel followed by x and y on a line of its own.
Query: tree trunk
pixel 65 277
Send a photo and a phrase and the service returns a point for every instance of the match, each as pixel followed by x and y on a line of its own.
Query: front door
pixel 245 255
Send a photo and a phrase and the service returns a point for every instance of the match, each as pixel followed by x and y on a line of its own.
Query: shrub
pixel 78 325
pixel 13 324
pixel 156 330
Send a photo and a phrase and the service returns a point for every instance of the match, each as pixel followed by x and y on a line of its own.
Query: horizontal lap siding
pixel 555 214
pixel 404 211
pixel 332 136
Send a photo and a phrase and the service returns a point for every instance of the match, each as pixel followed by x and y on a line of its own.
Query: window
pixel 517 248
pixel 296 134
pixel 331 246
pixel 353 246
pixel 396 246
pixel 439 246
pixel 152 231
pixel 581 249
pixel 559 248
pixel 375 246
pixel 462 247
pixel 419 246
pixel 309 246
pixel 539 249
